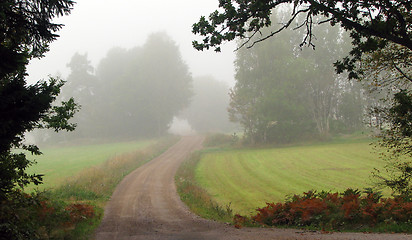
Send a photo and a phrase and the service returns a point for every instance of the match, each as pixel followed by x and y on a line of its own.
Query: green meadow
pixel 61 162
pixel 248 178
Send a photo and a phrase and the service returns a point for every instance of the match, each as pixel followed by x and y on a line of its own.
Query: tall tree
pixel 111 92
pixel 81 81
pixel 26 29
pixel 165 81
pixel 269 98
pixel 324 86
pixel 284 96
pixel 134 93
pixel 80 84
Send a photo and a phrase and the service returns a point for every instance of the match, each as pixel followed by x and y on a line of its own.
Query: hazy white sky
pixel 95 26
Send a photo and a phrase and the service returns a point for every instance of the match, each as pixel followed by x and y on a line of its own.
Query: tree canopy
pixel 372 24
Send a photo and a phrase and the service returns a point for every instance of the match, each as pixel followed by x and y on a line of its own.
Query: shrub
pixel 36 216
pixel 349 209
pixel 220 140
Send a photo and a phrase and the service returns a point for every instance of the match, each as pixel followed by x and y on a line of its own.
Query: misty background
pixel 95 26
pixel 132 68
pixel 95 29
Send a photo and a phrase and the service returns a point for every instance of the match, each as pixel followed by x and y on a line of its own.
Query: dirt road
pixel 146 206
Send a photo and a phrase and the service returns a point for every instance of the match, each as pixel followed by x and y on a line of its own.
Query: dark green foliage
pixel 369 30
pixel 26 29
pixel 401 115
pixel 398 141
pixel 24 109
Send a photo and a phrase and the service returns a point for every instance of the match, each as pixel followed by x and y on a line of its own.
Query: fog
pixel 132 68
pixel 95 26
pixel 141 92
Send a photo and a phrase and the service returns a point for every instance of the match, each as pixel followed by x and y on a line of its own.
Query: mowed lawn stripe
pixel 249 178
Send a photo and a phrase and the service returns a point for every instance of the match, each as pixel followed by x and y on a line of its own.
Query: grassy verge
pixel 196 197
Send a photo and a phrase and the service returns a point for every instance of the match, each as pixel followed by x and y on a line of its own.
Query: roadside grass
pixel 248 178
pixel 196 197
pixel 85 193
pixel 58 163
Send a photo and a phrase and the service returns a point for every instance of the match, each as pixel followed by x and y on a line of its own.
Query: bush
pixel 220 140
pixel 25 216
pixel 336 211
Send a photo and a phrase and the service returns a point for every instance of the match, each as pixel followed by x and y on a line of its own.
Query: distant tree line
pixel 131 94
pixel 136 93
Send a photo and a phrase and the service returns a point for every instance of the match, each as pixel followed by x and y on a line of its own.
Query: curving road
pixel 145 206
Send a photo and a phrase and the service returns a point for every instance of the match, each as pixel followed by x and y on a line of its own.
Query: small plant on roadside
pixel 79 212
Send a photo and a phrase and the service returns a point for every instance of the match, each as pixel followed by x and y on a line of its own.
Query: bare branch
pixel 401 72
pixel 285 26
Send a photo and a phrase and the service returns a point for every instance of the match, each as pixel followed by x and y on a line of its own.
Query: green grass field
pixel 59 163
pixel 249 178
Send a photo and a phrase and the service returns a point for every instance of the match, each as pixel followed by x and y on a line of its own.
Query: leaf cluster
pixel 397 140
pixel 26 30
pixel 372 24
